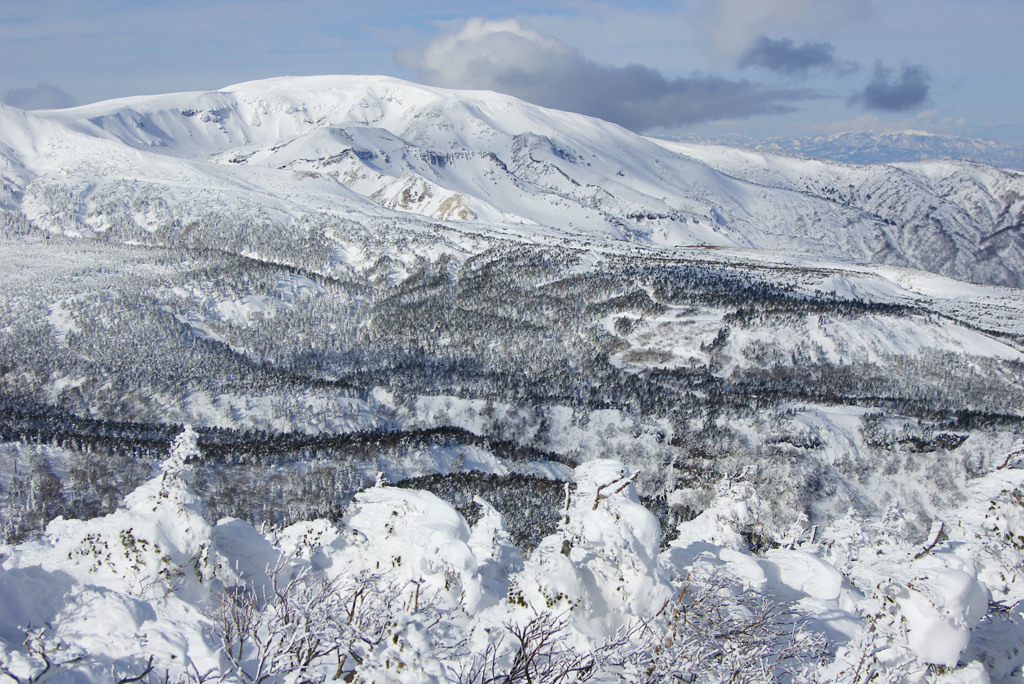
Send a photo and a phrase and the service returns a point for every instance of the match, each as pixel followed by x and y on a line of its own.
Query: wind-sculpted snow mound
pixel 601 566
pixel 404 590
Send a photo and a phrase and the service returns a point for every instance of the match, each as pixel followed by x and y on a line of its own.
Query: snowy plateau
pixel 352 379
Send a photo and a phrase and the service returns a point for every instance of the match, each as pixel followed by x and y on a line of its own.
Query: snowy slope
pixel 296 145
pixel 959 219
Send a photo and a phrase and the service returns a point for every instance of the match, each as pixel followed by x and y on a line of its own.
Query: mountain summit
pixel 384 147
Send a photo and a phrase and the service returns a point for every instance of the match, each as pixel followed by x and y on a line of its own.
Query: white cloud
pixel 483 48
pixel 511 57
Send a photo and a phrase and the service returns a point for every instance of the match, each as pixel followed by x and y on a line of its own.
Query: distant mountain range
pixel 884 148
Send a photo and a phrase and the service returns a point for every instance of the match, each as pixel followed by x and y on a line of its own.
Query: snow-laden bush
pixel 403 589
pixel 308 625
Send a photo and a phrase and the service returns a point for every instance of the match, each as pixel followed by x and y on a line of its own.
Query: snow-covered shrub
pixel 602 563
pixel 310 625
pixel 403 589
pixel 44 656
pixel 159 538
pixel 734 519
pixel 540 649
pixel 716 632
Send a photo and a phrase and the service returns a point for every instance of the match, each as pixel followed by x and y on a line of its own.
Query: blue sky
pixel 755 67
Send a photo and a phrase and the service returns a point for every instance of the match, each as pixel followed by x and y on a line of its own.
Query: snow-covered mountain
pixel 651 411
pixel 317 239
pixel 375 146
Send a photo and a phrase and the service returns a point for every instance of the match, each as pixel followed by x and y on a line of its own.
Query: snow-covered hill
pixel 376 146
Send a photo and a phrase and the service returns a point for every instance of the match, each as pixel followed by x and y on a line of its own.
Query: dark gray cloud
pixel 783 56
pixel 41 96
pixel 895 94
pixel 510 57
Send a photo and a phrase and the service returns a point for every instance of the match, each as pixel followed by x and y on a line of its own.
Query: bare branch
pixel 933 538
pixel 138 677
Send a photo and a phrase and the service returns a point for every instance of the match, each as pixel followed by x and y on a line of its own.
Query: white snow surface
pixel 102 597
pixel 360 146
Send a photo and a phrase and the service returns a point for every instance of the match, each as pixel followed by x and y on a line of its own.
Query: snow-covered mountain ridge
pixel 375 146
pixel 725 447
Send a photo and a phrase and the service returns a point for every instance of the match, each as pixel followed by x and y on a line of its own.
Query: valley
pixel 794 371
